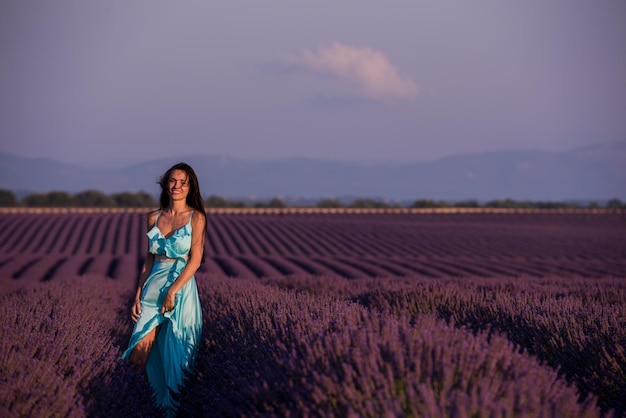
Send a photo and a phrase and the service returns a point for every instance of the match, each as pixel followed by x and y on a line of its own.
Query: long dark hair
pixel 194 198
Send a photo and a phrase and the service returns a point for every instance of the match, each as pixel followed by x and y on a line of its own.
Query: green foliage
pixel 427 203
pixel 57 199
pixel 276 203
pixel 329 203
pixel 467 204
pixel 507 204
pixel 7 198
pixel 216 202
pixel 88 198
pixel 93 198
pixel 134 200
pixel 556 205
pixel 615 204
pixel 237 204
pixel 369 204
pixel 523 204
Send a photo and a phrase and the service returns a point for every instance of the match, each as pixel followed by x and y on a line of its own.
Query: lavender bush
pixel 577 326
pixel 320 315
pixel 270 352
pixel 60 352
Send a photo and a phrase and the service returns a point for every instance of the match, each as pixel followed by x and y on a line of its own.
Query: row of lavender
pixel 25 269
pixel 32 269
pixel 320 346
pixel 561 323
pixel 577 326
pixel 430 235
pixel 39 247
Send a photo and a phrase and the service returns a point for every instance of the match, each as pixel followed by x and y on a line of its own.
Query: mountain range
pixel 593 172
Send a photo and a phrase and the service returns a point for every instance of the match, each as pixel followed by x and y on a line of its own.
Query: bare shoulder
pixel 198 219
pixel 151 219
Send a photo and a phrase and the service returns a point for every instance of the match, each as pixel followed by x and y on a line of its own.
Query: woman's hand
pixel 169 301
pixel 135 311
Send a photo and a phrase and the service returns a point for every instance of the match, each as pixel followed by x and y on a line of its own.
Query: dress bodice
pixel 177 244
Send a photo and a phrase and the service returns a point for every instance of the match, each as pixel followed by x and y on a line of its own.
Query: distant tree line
pixel 95 198
pixel 87 198
pixel 519 204
pixel 220 202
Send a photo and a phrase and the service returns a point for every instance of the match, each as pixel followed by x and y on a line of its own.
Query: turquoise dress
pixel 177 341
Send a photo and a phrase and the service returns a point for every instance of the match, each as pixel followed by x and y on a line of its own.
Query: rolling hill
pixel 595 172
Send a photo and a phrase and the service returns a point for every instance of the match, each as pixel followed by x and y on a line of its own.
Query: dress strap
pixel 158 212
pixel 191 217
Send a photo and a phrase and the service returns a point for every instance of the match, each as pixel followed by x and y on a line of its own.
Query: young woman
pixel 166 310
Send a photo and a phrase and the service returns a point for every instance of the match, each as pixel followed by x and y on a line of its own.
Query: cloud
pixel 367 68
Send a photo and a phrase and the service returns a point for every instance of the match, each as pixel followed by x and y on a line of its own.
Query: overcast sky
pixel 83 81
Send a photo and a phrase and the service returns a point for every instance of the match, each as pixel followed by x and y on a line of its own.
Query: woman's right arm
pixel 145 272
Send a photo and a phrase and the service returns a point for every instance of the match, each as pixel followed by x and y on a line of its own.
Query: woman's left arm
pixel 198 228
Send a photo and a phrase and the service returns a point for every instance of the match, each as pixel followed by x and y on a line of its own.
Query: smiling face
pixel 178 185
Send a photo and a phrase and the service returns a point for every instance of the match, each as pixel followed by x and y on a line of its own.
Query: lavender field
pixel 328 314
